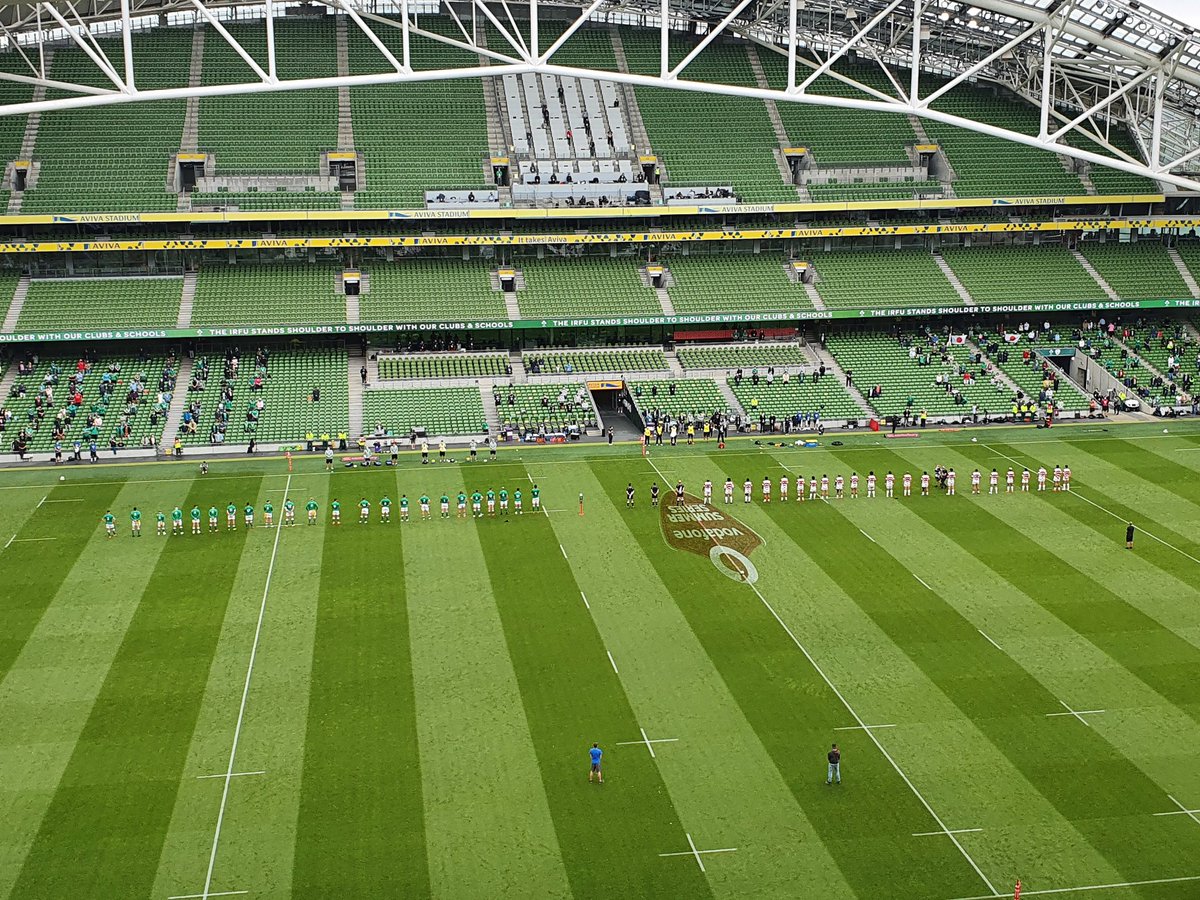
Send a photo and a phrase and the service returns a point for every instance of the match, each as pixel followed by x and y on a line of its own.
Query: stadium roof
pixel 1087 64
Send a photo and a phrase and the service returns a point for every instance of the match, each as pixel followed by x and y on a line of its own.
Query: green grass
pixel 423 695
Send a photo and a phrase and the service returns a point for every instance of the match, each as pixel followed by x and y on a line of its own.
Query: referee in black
pixel 1129 536
pixel 835 765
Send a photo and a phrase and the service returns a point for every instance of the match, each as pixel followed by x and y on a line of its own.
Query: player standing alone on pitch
pixel 596 753
pixel 835 766
pixel 679 492
pixel 629 495
pixel 654 493
pixel 707 491
pixel 1129 536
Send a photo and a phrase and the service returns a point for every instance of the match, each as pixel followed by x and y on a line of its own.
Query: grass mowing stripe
pixel 999 696
pixel 126 768
pixel 571 698
pixel 360 831
pixel 479 762
pixel 1171 475
pixel 29 586
pixel 766 673
pixel 258 834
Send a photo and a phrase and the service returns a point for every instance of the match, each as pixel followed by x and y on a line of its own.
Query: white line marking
pixel 1182 811
pixel 647 742
pixel 696 853
pixel 530 477
pixel 63 500
pixel 871 734
pixel 862 728
pixel 40 502
pixel 212 894
pixel 233 775
pixel 938 833
pixel 585 603
pixel 1109 512
pixel 990 641
pixel 1077 713
pixel 564 551
pixel 612 661
pixel 18 540
pixel 1088 887
pixel 922 580
pixel 867 536
pixel 10 540
pixel 237 731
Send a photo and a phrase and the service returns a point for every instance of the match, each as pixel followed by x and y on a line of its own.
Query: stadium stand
pixel 692 399
pixel 1136 271
pixel 907 368
pixel 1113 181
pixel 440 411
pixel 444 365
pixel 740 152
pixel 114 400
pixel 302 293
pixel 418 136
pixel 624 359
pixel 704 282
pixel 430 289
pixel 545 408
pixel 112 158
pixel 276 133
pixel 301 392
pixel 799 395
pixel 267 200
pixel 1167 346
pixel 882 278
pixel 584 285
pixel 1033 374
pixel 1189 252
pixel 1022 273
pixel 883 190
pixel 62 304
pixel 12 128
pixel 741 356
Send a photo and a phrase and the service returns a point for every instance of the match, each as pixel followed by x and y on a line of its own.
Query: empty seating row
pixel 444 365
pixel 57 304
pixel 703 282
pixel 882 278
pixel 1021 273
pixel 799 395
pixel 304 293
pixel 742 356
pixel 438 411
pixel 584 285
pixel 619 360
pixel 1136 271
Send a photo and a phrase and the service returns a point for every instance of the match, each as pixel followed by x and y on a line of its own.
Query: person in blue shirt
pixel 596 753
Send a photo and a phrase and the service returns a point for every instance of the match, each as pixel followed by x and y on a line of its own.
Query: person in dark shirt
pixel 1129 536
pixel 835 766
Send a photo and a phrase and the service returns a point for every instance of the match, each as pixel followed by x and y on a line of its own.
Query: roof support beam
pixel 852 42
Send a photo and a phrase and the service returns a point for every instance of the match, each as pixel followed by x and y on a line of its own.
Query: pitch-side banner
pixel 728 319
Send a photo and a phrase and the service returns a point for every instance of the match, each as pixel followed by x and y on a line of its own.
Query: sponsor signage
pixel 725 318
pixel 694 526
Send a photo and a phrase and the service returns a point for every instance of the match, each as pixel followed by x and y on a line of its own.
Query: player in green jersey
pixel 462 505
pixel 160 520
pixel 424 501
pixel 491 500
pixel 231 517
pixel 364 511
pixel 110 524
pixel 268 514
pixel 289 513
pixel 311 508
pixel 335 508
pixel 249 512
pixel 135 521
pixel 504 501
pixel 536 496
pixel 385 509
pixel 445 501
pixel 195 520
pixel 212 519
pixel 476 499
pixel 403 508
pixel 517 501
pixel 177 521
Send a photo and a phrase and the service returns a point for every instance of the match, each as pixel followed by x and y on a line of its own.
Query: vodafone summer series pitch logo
pixel 696 527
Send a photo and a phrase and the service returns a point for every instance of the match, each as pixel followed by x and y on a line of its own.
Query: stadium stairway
pixel 731 397
pixel 357 360
pixel 29 141
pixel 178 403
pixel 1184 272
pixel 8 379
pixel 813 297
pixel 353 310
pixel 188 299
pixel 14 309
pixel 517 363
pixel 760 78
pixel 664 300
pixel 820 356
pixel 1096 276
pixel 491 413
pixel 345 119
pixel 673 364
pixel 959 287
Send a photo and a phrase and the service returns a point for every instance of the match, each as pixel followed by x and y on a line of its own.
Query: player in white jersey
pixel 812 487
pixel 838 484
pixel 1041 478
pixel 889 484
pixel 783 488
pixel 853 485
pixel 975 480
pixel 950 483
pixel 924 484
pixel 824 487
pixel 1057 478
pixel 728 490
pixel 994 482
pixel 1010 478
pixel 747 489
pixel 907 485
pixel 1066 482
pixel 870 484
pixel 1024 480
pixel 766 490
pixel 707 491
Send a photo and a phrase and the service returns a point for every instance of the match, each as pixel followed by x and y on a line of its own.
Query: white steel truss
pixel 1098 71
